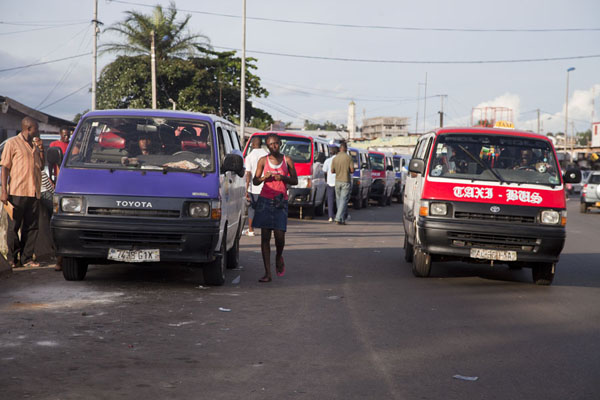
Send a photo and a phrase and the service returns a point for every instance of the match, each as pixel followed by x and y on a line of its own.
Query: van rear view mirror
pixel 572 175
pixel 54 156
pixel 417 166
pixel 235 163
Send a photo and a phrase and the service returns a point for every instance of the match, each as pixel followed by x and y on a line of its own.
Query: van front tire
pixel 214 272
pixel 233 255
pixel 421 267
pixel 408 250
pixel 74 269
pixel 543 273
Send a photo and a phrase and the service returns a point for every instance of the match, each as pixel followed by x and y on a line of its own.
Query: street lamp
pixel 567 109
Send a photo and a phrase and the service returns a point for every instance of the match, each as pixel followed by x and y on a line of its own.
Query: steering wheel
pixel 186 152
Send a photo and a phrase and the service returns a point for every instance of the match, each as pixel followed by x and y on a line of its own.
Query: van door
pixel 226 187
pixel 239 184
pixel 414 187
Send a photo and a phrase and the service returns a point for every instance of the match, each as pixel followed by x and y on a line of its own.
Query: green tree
pixel 172 38
pixel 584 138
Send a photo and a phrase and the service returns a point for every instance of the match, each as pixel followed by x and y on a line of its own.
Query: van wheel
pixel 543 273
pixel 233 255
pixel 74 269
pixel 214 272
pixel 357 202
pixel 583 208
pixel 365 201
pixel 421 263
pixel 388 200
pixel 381 200
pixel 320 210
pixel 408 250
pixel 401 197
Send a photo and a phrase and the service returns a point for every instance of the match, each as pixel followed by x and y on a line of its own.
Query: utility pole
pixel 95 55
pixel 418 105
pixel 425 105
pixel 243 80
pixel 442 110
pixel 538 114
pixel 567 110
pixel 153 68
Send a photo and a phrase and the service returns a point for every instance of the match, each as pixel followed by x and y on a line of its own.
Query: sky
pixel 326 52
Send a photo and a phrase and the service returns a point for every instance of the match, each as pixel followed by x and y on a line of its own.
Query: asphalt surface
pixel 347 321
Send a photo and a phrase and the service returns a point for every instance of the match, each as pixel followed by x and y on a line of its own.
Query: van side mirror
pixel 389 168
pixel 572 176
pixel 235 163
pixel 364 166
pixel 417 166
pixel 321 158
pixel 54 156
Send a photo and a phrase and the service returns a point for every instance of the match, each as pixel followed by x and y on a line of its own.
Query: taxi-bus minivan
pixel 485 195
pixel 361 178
pixel 308 154
pixel 150 186
pixel 382 172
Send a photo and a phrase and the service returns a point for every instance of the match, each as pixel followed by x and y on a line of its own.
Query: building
pixel 12 112
pixel 384 127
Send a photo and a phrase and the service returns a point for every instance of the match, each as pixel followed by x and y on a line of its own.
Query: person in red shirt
pixel 62 143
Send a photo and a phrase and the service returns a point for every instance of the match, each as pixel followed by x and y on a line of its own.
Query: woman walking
pixel 276 171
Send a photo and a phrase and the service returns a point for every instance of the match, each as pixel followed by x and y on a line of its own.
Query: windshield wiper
pixel 484 165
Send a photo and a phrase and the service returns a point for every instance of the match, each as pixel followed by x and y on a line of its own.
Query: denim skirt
pixel 270 214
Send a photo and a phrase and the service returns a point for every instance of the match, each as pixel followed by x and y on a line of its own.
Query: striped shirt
pixel 24 162
pixel 47 186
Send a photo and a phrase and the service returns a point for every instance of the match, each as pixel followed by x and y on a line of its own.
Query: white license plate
pixel 132 256
pixel 498 255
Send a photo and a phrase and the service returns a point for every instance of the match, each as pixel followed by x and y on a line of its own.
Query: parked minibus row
pixel 377 175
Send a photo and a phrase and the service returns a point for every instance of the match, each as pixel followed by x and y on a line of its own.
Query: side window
pixel 427 147
pixel 235 140
pixel 222 150
pixel 420 150
pixel 227 140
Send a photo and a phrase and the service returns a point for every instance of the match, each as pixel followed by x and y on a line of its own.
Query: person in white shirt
pixel 333 149
pixel 252 190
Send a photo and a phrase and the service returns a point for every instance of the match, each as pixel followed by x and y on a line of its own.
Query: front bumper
pixel 377 189
pixel 87 237
pixel 454 239
pixel 300 197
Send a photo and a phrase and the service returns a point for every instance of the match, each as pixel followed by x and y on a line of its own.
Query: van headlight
pixel 71 204
pixel 438 209
pixel 304 182
pixel 199 210
pixel 550 217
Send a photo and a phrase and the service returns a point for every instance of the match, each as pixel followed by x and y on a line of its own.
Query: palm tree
pixel 172 39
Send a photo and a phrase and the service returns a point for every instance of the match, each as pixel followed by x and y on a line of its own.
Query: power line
pixel 364 60
pixel 45 62
pixel 46 23
pixel 43 28
pixel 64 97
pixel 380 27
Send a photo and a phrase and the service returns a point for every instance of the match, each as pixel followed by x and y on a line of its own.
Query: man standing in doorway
pixel 343 169
pixel 21 184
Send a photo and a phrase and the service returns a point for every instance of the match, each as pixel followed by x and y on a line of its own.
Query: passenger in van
pixel 276 171
pixel 525 160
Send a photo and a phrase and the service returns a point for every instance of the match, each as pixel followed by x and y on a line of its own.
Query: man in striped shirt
pixel 21 180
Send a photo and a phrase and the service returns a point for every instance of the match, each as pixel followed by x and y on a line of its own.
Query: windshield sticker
pixel 473 192
pixel 523 196
pixel 203 163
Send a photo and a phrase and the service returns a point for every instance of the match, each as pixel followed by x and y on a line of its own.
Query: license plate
pixel 133 256
pixel 498 255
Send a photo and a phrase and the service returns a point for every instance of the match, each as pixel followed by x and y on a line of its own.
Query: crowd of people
pixel 27 192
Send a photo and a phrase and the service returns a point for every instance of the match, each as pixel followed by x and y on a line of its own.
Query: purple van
pixel 150 186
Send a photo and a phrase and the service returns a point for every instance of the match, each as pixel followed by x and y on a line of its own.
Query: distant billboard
pixel 596 134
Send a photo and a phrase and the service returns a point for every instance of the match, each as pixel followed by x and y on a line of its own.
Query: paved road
pixel 348 321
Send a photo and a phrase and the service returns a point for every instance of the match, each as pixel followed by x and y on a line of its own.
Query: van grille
pixel 524 219
pixel 129 212
pixel 493 241
pixel 172 241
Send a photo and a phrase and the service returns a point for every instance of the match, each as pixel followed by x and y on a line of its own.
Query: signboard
pixel 596 134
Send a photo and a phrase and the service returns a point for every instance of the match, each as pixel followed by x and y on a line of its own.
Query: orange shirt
pixel 25 167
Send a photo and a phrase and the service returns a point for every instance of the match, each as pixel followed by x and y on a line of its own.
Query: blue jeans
pixel 342 194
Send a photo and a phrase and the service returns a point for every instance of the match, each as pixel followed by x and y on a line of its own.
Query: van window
pixel 222 145
pixel 355 158
pixel 234 139
pixel 297 148
pixel 144 143
pixel 397 165
pixel 494 158
pixel 377 161
pixel 364 159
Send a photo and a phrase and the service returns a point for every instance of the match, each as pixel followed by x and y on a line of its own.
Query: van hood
pixel 137 183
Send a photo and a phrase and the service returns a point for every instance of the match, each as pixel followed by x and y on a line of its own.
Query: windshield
pixel 355 158
pixel 144 143
pixel 376 161
pixel 494 158
pixel 594 179
pixel 298 149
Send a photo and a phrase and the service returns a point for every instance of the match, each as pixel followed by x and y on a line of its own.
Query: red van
pixel 308 154
pixel 485 195
pixel 384 177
